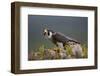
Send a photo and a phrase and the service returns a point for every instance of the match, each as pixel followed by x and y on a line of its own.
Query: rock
pixel 36 56
pixel 30 56
pixel 63 54
pixel 77 50
pixel 49 54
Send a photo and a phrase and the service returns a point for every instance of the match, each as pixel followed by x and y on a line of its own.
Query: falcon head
pixel 48 33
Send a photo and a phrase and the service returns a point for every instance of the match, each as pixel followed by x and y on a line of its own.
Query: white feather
pixel 50 36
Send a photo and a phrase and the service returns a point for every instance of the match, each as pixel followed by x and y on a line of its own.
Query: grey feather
pixel 62 38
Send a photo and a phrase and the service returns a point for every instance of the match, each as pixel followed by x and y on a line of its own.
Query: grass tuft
pixel 54 53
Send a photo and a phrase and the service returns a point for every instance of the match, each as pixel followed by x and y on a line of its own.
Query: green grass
pixel 85 51
pixel 68 50
pixel 41 51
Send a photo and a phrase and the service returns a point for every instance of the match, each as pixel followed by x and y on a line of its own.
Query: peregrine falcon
pixel 60 40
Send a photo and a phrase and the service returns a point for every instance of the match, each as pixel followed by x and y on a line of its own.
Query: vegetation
pixel 85 51
pixel 55 53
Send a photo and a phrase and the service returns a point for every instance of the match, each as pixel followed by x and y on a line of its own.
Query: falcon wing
pixel 62 38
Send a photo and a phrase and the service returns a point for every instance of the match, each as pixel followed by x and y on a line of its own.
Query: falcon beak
pixel 44 33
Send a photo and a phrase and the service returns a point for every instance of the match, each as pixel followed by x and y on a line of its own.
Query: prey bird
pixel 61 40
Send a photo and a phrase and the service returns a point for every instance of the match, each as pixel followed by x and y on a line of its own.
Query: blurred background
pixel 74 27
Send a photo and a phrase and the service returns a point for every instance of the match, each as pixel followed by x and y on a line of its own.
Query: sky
pixel 74 27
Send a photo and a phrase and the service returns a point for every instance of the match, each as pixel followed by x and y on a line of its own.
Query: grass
pixel 41 51
pixel 85 51
pixel 68 50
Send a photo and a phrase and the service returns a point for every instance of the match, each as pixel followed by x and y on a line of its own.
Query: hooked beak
pixel 44 33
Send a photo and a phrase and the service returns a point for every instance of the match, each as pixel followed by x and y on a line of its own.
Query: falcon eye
pixel 48 33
